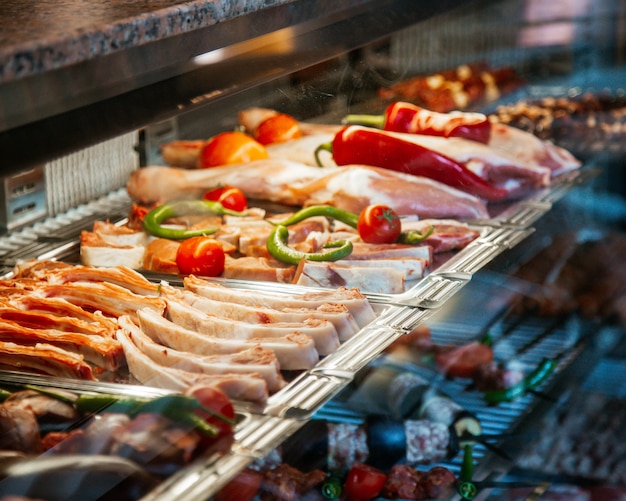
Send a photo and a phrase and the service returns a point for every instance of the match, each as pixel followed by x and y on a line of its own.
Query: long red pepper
pixel 355 144
pixel 407 117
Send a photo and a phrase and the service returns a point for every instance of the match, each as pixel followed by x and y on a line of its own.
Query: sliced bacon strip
pixel 357 304
pixel 44 359
pixel 322 332
pixel 251 388
pixel 337 314
pixel 293 351
pixel 255 360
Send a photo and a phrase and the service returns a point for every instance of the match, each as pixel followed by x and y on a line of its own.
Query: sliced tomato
pixel 230 197
pixel 278 129
pixel 363 482
pixel 379 224
pixel 231 147
pixel 463 360
pixel 200 256
pixel 244 487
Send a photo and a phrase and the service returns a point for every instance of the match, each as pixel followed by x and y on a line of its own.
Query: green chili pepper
pixel 543 370
pixel 278 247
pixel 331 488
pixel 154 218
pixel 91 403
pixel 180 409
pixel 4 394
pixel 467 488
pixel 414 237
pixel 349 218
pixel 322 147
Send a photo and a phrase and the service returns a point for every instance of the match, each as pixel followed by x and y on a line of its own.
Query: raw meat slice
pixel 351 187
pixel 357 303
pixel 337 314
pixel 252 360
pixel 250 388
pixel 293 351
pixel 44 359
pixel 94 251
pixel 322 332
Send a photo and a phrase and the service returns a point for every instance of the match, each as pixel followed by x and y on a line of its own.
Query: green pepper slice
pixel 539 374
pixel 154 218
pixel 349 218
pixel 278 247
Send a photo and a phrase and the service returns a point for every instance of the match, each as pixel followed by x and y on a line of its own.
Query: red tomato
pixel 463 360
pixel 229 197
pixel 363 482
pixel 243 487
pixel 230 148
pixel 200 256
pixel 217 402
pixel 379 224
pixel 277 129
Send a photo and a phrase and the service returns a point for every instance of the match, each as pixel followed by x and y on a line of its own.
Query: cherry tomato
pixel 200 256
pixel 277 129
pixel 463 360
pixel 363 482
pixel 244 487
pixel 230 148
pixel 217 402
pixel 229 197
pixel 379 224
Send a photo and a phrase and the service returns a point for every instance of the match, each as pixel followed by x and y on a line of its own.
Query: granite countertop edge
pixel 54 50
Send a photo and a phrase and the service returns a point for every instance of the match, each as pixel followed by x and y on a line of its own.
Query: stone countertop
pixel 41 35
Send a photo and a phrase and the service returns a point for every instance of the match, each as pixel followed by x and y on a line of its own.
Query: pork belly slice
pixel 337 314
pixel 120 235
pixel 121 276
pixel 258 268
pixel 357 304
pixel 110 299
pixel 248 387
pixel 322 332
pixel 44 359
pixel 41 320
pixel 448 234
pixel 100 351
pixel 60 307
pixel 361 251
pixel 293 351
pixel 249 361
pixel 351 187
pixel 326 274
pixel 94 251
pixel 531 149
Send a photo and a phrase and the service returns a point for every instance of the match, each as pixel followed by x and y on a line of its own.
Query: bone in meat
pixel 293 351
pixel 252 360
pixel 357 303
pixel 44 359
pixel 322 332
pixel 352 187
pixel 447 235
pixel 237 386
pixel 336 313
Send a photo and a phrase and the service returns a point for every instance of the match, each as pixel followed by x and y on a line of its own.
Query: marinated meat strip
pixel 44 359
pixel 285 483
pixel 294 351
pixel 103 352
pixel 350 187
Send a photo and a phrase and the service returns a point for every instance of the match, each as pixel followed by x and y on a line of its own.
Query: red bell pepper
pixel 355 144
pixel 406 117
